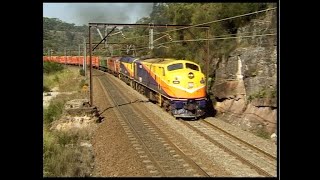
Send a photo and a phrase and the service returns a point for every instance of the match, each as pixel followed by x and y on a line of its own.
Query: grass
pixel 53 112
pixel 274 93
pixel 262 133
pixel 63 157
pixel 66 79
pixel 263 93
pixel 46 89
pixel 82 72
pixel 62 154
pixel 52 67
pixel 82 83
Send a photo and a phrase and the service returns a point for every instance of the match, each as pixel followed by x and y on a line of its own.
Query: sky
pixel 83 13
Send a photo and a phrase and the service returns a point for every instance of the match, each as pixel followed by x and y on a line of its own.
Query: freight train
pixel 178 86
pixel 73 60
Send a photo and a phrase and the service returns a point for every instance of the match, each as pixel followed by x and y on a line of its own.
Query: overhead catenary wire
pixel 230 35
pixel 196 24
pixel 214 21
pixel 217 38
pixel 242 33
pixel 224 19
pixel 211 39
pixel 227 36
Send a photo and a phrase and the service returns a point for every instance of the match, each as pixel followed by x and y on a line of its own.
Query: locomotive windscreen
pixel 175 66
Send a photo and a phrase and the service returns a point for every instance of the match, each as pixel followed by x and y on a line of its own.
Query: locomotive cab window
pixel 175 66
pixel 192 66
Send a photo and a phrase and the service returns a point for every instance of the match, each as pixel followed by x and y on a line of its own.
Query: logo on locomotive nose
pixel 191 75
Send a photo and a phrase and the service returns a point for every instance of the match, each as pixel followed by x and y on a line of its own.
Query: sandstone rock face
pixel 229 89
pixel 245 85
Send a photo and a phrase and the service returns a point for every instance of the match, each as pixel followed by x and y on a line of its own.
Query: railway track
pixel 272 158
pixel 262 162
pixel 160 156
pixel 164 156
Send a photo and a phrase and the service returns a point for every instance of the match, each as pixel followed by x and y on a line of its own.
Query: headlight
pixel 191 75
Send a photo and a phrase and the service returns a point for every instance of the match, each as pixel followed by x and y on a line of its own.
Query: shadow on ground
pixel 210 111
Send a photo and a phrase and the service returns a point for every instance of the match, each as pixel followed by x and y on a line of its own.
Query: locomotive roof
pixel 166 61
pixel 127 59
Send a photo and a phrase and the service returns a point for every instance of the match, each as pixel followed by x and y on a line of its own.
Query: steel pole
pixel 85 57
pixel 79 56
pixel 207 62
pixel 65 55
pixel 90 54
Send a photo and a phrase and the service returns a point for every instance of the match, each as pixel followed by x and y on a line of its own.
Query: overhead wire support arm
pixel 145 25
pixel 104 38
pixel 181 27
pixel 99 33
pixel 163 37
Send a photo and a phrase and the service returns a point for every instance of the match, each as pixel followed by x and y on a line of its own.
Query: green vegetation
pixel 82 83
pixel 45 89
pixel 263 93
pixel 194 13
pixel 262 133
pixel 51 80
pixel 260 94
pixel 62 154
pixel 52 67
pixel 250 98
pixel 82 72
pixel 65 80
pixel 53 112
pixel 59 35
pixel 274 93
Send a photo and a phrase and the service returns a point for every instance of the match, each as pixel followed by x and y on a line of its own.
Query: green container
pixel 103 62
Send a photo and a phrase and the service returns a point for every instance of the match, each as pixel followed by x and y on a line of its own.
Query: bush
pixel 262 133
pixel 46 89
pixel 56 78
pixel 62 155
pixel 82 72
pixel 59 160
pixel 53 112
pixel 250 98
pixel 274 93
pixel 82 83
pixel 51 67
